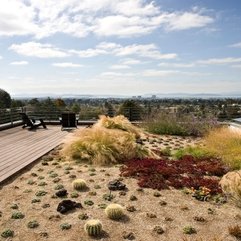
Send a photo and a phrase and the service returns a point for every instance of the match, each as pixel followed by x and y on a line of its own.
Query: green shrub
pixel 185 125
pixel 196 152
pixel 18 215
pixel 32 224
pixel 7 233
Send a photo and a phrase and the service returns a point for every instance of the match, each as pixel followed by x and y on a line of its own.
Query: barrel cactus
pixel 114 211
pixel 79 184
pixel 93 227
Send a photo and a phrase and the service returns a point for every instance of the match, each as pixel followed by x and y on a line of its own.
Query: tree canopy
pixel 5 99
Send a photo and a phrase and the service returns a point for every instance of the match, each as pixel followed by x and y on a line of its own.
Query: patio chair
pixel 68 120
pixel 31 123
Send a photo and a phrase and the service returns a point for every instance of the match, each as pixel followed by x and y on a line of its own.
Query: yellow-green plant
pixel 93 227
pixel 114 211
pixel 79 184
pixel 102 146
pixel 118 122
pixel 226 144
pixel 231 185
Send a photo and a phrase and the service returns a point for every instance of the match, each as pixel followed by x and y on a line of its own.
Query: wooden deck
pixel 20 147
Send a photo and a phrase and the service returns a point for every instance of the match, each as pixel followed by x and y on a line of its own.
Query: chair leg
pixel 42 123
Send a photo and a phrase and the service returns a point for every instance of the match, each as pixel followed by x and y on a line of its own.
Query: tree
pixel 131 109
pixel 59 103
pixel 5 99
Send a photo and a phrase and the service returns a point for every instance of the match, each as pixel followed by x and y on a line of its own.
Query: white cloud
pixel 119 66
pixel 34 49
pixel 1 57
pixel 145 50
pixel 131 61
pixel 88 52
pixel 117 74
pixel 187 20
pixel 158 73
pixel 19 63
pixel 142 50
pixel 125 18
pixel 220 61
pixel 177 65
pixel 67 65
pixel 236 45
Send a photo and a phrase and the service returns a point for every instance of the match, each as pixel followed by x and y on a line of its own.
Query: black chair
pixel 68 120
pixel 31 123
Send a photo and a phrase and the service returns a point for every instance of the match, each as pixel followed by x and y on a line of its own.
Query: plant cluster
pixel 225 143
pixel 187 172
pixel 182 125
pixel 103 146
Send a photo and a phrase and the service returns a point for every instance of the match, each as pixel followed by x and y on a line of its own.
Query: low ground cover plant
pixel 182 125
pixel 195 151
pixel 187 172
pixel 225 143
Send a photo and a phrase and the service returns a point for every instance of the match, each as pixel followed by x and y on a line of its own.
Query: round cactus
pixel 79 184
pixel 114 211
pixel 93 227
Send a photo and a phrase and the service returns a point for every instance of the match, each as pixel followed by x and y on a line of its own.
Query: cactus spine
pixel 93 227
pixel 79 184
pixel 114 211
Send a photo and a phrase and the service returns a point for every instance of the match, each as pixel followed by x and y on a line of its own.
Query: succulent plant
pixel 133 198
pixel 7 233
pixel 97 186
pixel 32 224
pixel 41 177
pixel 92 174
pixel 74 195
pixel 79 184
pixel 108 196
pixel 102 205
pixel 53 175
pixel 189 230
pixel 114 211
pixel 83 216
pixel 65 226
pixel 57 179
pixel 93 227
pixel 41 184
pixel 156 194
pixel 17 215
pixel 158 230
pixel 35 200
pixel 92 193
pixel 89 202
pixel 30 182
pixel 58 187
pixel 40 193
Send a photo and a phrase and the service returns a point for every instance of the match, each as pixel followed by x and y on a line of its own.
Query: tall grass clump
pixel 102 146
pixel 119 122
pixel 226 144
pixel 182 125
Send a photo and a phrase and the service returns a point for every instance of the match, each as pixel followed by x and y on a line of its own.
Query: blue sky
pixel 120 47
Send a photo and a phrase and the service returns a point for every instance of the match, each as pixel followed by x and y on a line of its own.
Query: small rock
pixel 61 193
pixel 151 215
pixel 133 198
pixel 163 203
pixel 130 208
pixel 67 205
pixel 116 185
pixel 128 235
pixel 158 230
pixel 199 219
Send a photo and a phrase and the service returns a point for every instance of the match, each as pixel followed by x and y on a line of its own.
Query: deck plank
pixel 20 147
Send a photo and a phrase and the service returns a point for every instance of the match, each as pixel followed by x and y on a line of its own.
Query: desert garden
pixel 165 180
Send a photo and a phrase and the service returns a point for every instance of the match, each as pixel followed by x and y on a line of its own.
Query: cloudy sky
pixel 120 47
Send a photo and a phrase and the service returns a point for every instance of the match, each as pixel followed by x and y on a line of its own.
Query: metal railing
pixel 11 117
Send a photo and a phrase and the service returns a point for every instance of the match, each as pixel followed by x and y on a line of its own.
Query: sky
pixel 119 47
